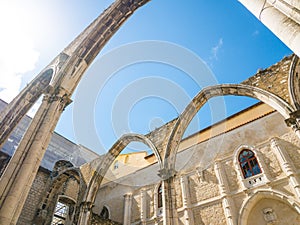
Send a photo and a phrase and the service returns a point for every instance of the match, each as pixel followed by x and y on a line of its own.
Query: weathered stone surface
pixel 273 79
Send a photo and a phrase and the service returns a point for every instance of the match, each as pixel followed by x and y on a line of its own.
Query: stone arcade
pixel 254 178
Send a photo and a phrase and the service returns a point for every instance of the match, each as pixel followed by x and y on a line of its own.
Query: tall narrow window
pixel 248 163
pixel 104 213
pixel 159 197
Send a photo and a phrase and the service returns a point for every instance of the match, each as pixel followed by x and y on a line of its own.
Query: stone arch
pixel 59 178
pixel 213 91
pixel 68 203
pixel 34 143
pixel 261 194
pixel 294 82
pixel 109 158
pixel 17 109
pixel 119 145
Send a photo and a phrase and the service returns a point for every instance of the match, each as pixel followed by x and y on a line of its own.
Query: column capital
pixel 166 173
pixel 128 195
pixel 294 119
pixel 87 206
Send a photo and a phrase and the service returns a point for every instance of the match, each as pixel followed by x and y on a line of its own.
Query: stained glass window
pixel 248 163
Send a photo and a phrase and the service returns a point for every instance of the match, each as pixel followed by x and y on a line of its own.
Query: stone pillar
pixel 127 209
pixel 296 129
pixel 288 8
pixel 85 212
pixel 143 207
pixel 188 214
pixel 89 197
pixel 227 202
pixel 286 165
pixel 22 169
pixel 170 216
pixel 285 27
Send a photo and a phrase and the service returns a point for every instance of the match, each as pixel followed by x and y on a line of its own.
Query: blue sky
pixel 231 42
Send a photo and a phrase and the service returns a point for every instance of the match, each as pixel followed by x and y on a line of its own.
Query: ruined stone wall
pixel 35 196
pixel 273 79
pixel 203 187
pixel 161 135
pixel 97 220
pixel 210 214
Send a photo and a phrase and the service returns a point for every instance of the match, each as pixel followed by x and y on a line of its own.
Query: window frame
pixel 68 203
pixel 250 162
pixel 255 180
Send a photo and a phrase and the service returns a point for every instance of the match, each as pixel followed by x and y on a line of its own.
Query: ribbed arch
pixel 109 158
pixel 219 90
pixel 50 199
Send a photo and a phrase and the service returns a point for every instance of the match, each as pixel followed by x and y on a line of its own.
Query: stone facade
pixel 243 170
pixel 208 186
pixel 204 195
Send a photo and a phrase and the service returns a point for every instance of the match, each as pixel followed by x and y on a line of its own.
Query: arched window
pixel 63 212
pixel 60 213
pixel 159 197
pixel 104 213
pixel 248 163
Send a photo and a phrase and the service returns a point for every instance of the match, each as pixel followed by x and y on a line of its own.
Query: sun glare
pixel 17 55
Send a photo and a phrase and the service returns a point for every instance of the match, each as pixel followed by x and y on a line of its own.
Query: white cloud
pixel 255 33
pixel 17 55
pixel 215 50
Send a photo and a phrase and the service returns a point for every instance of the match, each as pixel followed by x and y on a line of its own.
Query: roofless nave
pixel 59 79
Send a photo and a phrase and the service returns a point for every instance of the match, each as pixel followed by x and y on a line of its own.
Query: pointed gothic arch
pixel 20 105
pixel 294 82
pixel 84 50
pixel 213 91
pixel 108 159
pixel 50 200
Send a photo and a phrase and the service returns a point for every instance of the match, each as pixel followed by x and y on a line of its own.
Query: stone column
pixel 143 207
pixel 288 8
pixel 127 209
pixel 282 25
pixel 188 214
pixel 89 198
pixel 85 212
pixel 170 216
pixel 227 202
pixel 22 169
pixel 286 165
